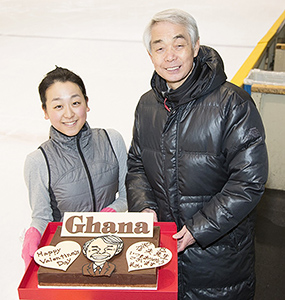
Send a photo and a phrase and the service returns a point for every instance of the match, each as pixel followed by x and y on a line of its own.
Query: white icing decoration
pixel 144 255
pixel 58 257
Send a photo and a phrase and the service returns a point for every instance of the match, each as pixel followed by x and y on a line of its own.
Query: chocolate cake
pixel 120 277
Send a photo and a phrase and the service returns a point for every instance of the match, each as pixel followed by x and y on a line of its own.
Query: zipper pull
pixel 166 107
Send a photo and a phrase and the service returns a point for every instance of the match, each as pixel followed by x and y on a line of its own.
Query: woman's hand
pixel 148 210
pixel 30 244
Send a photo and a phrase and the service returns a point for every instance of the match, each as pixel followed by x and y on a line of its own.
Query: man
pixel 100 250
pixel 198 158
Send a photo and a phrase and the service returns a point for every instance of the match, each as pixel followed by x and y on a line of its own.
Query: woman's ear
pixel 87 107
pixel 46 116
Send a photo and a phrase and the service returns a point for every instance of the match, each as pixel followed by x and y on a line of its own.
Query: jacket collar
pixel 208 73
pixel 70 142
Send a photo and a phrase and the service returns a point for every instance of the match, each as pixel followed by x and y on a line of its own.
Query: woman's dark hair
pixel 61 75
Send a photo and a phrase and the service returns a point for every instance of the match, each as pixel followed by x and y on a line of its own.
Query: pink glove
pixel 30 244
pixel 107 209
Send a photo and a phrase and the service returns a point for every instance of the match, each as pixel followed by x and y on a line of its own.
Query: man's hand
pixel 148 210
pixel 184 239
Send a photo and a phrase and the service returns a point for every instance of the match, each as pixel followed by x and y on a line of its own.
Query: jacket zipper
pixel 172 112
pixel 179 113
pixel 88 174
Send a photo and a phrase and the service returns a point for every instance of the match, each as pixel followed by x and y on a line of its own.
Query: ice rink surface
pixel 101 41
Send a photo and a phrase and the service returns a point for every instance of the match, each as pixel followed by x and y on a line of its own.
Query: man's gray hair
pixel 108 239
pixel 175 16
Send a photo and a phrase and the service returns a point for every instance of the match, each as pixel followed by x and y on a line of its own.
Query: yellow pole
pixel 257 52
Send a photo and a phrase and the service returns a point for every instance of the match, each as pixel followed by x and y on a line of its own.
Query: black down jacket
pixel 203 165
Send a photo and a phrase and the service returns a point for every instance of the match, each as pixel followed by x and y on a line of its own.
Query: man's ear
pixel 150 56
pixel 196 48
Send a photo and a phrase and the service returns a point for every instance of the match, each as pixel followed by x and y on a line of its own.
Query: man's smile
pixel 173 68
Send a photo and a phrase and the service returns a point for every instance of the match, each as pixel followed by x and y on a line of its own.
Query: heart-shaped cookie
pixel 59 257
pixel 144 255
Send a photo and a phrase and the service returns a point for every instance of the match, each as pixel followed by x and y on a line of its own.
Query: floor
pixel 101 41
pixel 270 246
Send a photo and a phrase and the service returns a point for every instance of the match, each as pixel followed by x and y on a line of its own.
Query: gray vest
pixel 83 171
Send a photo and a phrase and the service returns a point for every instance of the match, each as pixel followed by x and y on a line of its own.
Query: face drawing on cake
pixel 99 250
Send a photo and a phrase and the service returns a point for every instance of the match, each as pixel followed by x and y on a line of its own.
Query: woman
pixel 78 168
